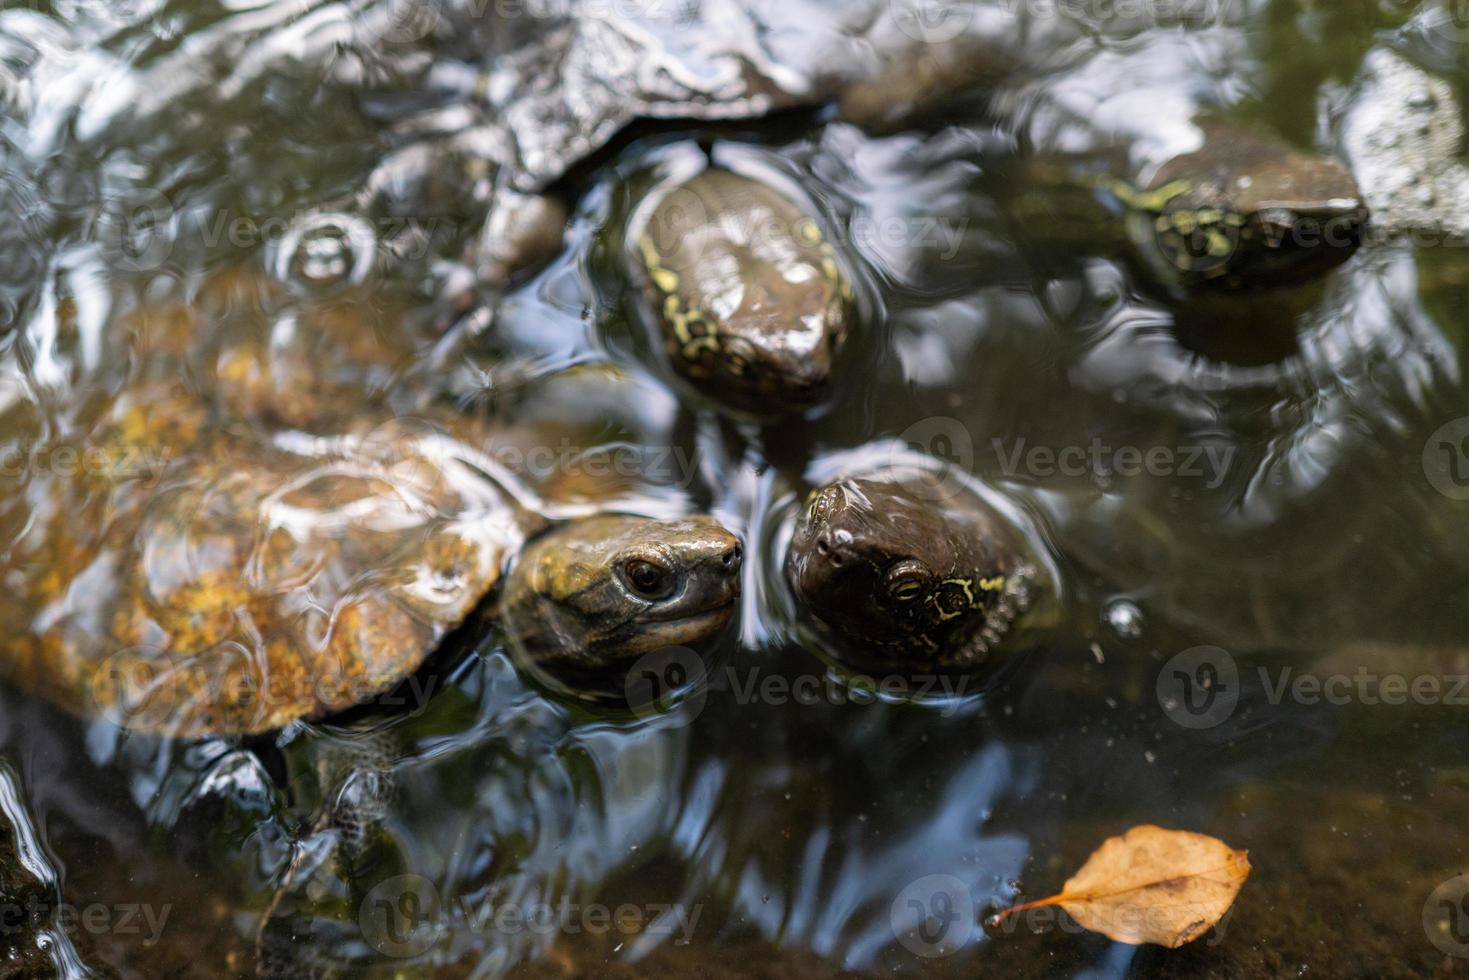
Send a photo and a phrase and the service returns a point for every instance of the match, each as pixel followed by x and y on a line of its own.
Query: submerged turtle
pixel 1241 211
pixel 749 298
pixel 1245 210
pixel 529 107
pixel 910 568
pixel 217 563
pixel 1205 201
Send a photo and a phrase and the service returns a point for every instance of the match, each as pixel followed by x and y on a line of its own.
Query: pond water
pixel 1266 488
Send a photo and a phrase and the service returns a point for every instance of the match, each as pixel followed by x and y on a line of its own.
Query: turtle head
pixel 1245 211
pixel 908 568
pixel 771 361
pixel 749 298
pixel 602 591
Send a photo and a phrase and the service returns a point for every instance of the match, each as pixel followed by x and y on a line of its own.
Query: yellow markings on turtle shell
pixel 995 583
pixel 945 614
pixel 1154 200
pixel 665 279
pixel 809 233
pixel 651 259
pixel 1157 200
pixel 965 584
pixel 832 273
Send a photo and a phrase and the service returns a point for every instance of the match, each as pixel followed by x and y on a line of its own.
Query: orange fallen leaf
pixel 1151 886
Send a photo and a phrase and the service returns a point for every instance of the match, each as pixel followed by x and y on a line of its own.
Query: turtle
pixel 584 602
pixel 510 120
pixel 492 114
pixel 909 567
pixel 745 293
pixel 492 120
pixel 1244 211
pixel 223 563
pixel 1206 201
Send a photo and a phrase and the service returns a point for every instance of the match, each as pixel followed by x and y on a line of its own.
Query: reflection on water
pixel 242 236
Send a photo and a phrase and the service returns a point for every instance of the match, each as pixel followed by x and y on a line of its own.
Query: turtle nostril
pixel 825 550
pixel 732 556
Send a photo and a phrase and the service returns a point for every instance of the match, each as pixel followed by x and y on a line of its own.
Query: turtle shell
pixel 247 584
pixel 260 543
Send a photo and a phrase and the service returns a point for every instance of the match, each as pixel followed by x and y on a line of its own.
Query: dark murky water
pixel 1258 483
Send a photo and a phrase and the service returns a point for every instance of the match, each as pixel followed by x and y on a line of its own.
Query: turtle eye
pixel 906 580
pixel 648 580
pixel 737 355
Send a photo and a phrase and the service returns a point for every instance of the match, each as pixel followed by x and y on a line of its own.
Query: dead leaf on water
pixel 1151 886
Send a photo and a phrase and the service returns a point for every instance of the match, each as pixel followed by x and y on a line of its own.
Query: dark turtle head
pixel 749 299
pixel 602 591
pixel 1244 211
pixel 907 570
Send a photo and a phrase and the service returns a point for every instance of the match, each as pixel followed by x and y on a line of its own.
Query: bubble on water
pixel 1125 618
pixel 323 251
